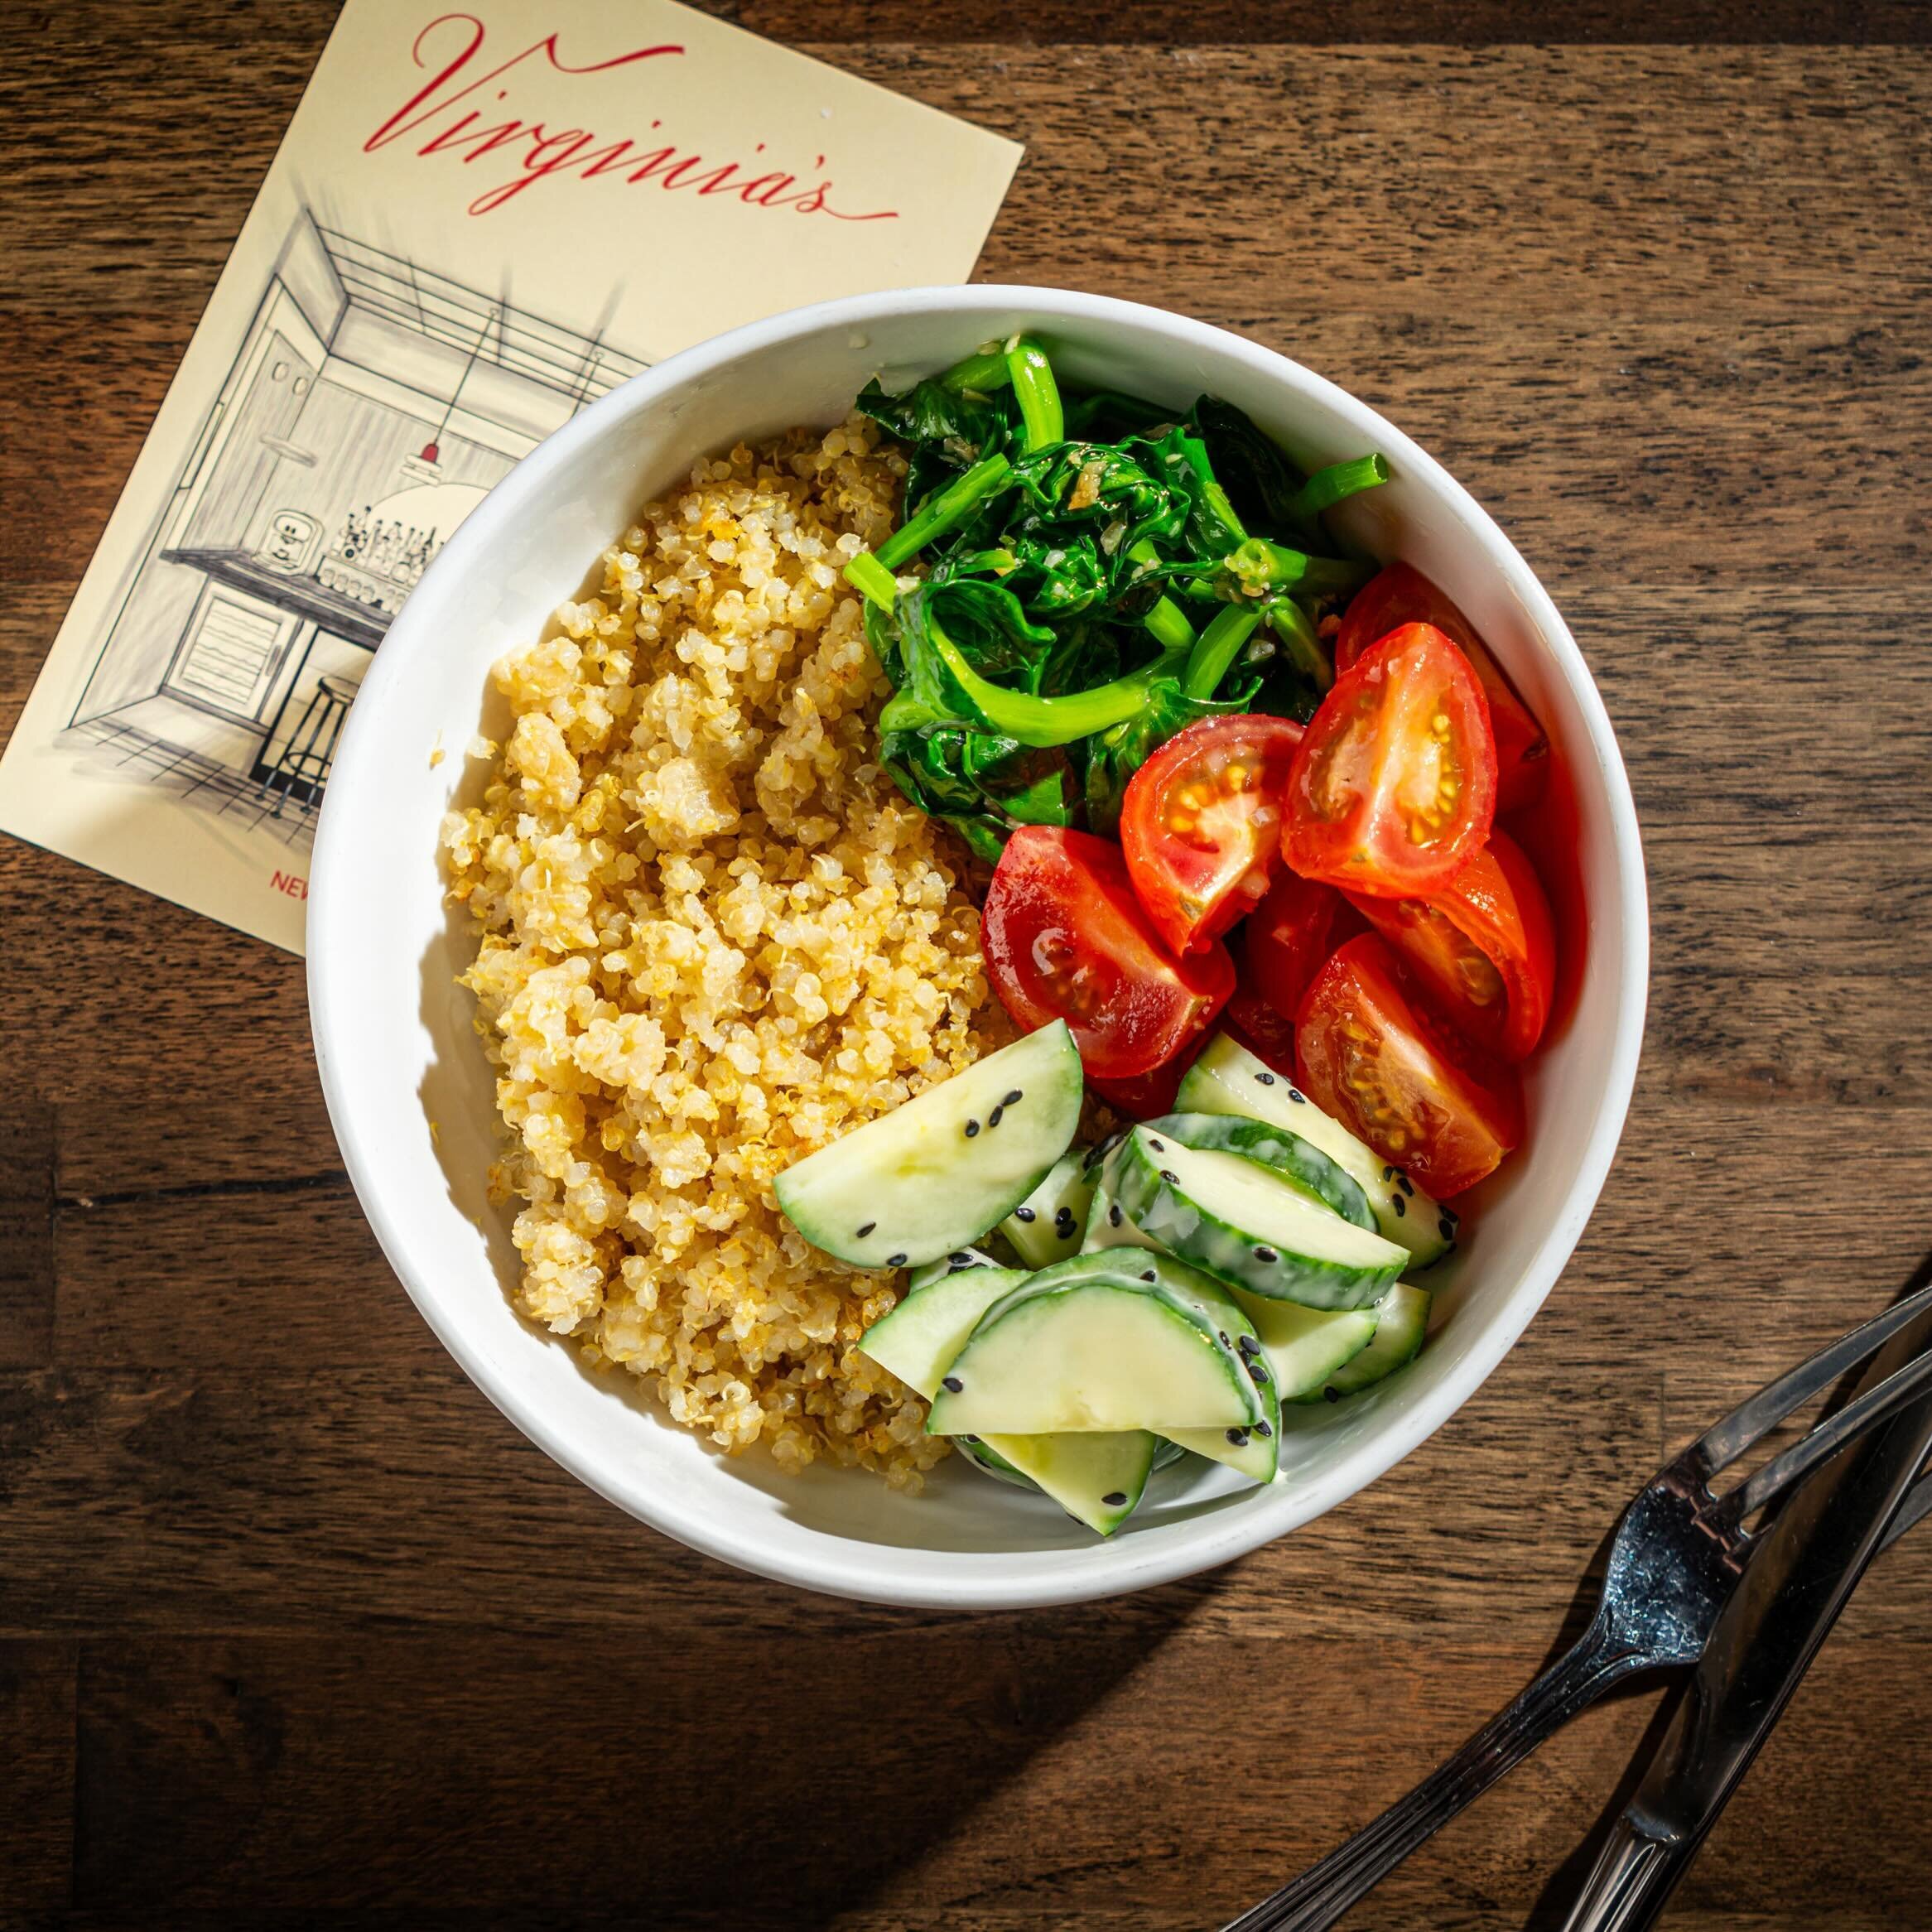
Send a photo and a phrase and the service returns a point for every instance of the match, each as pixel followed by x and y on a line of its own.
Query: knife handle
pixel 1631 1882
pixel 1326 1890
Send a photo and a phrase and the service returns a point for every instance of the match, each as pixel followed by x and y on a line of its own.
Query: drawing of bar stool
pixel 302 769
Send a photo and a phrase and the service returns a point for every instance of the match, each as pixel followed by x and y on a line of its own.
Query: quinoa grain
pixel 712 937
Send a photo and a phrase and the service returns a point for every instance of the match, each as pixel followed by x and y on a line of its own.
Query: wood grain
pixel 296 1629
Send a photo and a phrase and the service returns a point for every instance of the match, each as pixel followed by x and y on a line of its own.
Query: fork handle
pixel 1326 1890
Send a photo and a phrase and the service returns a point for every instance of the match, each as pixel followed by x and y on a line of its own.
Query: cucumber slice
pixel 1107 1226
pixel 1298 1162
pixel 1108 1342
pixel 1307 1347
pixel 976 1451
pixel 1048 1225
pixel 1228 1079
pixel 1304 1347
pixel 956 1263
pixel 919 1338
pixel 935 1173
pixel 1398 1338
pixel 1097 1477
pixel 1247 1226
pixel 1247 1451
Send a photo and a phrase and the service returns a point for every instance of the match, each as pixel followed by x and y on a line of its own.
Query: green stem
pixel 1045 722
pixel 943 509
pixel 1214 499
pixel 1038 394
pixel 1167 623
pixel 1326 487
pixel 866 573
pixel 985 370
pixel 1259 565
pixel 1290 624
pixel 1218 647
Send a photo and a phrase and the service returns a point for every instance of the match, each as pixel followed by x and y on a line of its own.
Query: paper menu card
pixel 479 221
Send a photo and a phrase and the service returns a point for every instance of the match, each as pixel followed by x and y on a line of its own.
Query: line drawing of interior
pixel 371 405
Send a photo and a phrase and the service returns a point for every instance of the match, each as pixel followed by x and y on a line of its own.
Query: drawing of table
pixel 295 764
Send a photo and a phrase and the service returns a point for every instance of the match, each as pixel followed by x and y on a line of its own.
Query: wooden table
pixel 295 1628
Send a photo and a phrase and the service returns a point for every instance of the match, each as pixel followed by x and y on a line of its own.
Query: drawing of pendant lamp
pixel 426 465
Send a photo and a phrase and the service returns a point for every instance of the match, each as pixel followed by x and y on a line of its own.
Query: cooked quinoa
pixel 712 938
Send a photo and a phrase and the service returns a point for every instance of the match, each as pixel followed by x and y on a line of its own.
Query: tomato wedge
pixel 1393 788
pixel 1147 1096
pixel 1289 936
pixel 1065 938
pixel 1421 1098
pixel 1200 824
pixel 1485 948
pixel 1267 1034
pixel 1402 595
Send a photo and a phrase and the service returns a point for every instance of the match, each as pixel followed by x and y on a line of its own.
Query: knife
pixel 1806 1563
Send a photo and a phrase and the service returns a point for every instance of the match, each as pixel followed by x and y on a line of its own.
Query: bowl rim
pixel 1007 1580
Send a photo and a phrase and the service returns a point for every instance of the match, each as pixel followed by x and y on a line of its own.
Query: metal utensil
pixel 1805 1567
pixel 1676 1559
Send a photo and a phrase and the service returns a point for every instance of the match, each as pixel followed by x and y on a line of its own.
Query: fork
pixel 1677 1552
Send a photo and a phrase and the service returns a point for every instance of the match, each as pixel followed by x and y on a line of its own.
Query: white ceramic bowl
pixel 396 1050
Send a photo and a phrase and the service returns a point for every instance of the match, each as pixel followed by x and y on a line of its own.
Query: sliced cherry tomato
pixel 1065 938
pixel 1287 937
pixel 1267 1034
pixel 1147 1096
pixel 1402 595
pixel 1419 1096
pixel 1393 790
pixel 1485 948
pixel 1200 824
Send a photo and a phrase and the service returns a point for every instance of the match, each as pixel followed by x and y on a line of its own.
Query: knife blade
pixel 1805 1566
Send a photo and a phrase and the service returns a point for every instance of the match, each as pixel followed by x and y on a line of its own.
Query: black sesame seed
pixel 1296 1095
pixel 1239 1437
pixel 1265 1079
pixel 1401 1206
pixel 1334 1394
pixel 1169 1174
pixel 1158 1147
pixel 1406 1185
pixel 1262 1430
pixel 1012 1098
pixel 1150 1275
pixel 972 1438
pixel 1249 1346
pixel 1224 1342
pixel 952 1383
pixel 895 1260
pixel 1114 1498
pixel 1257 1369
pixel 1446 1227
pixel 1113 1215
pixel 993 1118
pixel 1023 1214
pixel 865 1231
pixel 1063 1222
pixel 1450 1214
pixel 960 1258
pixel 972 1127
pixel 1388 1173
pixel 1266 1255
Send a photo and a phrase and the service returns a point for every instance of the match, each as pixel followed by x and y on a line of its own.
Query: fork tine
pixel 1724 1442
pixel 1828 1438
